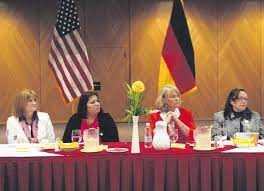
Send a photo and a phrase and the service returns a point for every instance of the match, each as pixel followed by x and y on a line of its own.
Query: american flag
pixel 68 58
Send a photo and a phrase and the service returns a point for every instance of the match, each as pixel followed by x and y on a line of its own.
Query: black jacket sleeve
pixel 108 129
pixel 73 123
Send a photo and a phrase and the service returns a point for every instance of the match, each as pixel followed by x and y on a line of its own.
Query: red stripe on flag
pixel 68 85
pixel 81 51
pixel 177 63
pixel 76 62
pixel 58 81
pixel 82 54
pixel 69 68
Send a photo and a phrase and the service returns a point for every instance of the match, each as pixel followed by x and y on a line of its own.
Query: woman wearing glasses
pixel 236 116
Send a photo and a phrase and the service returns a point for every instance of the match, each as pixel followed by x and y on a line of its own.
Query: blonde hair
pixel 21 101
pixel 162 97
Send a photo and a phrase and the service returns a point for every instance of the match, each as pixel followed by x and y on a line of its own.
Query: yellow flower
pixel 135 94
pixel 138 87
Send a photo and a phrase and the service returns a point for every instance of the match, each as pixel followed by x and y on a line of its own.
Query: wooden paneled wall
pixel 124 39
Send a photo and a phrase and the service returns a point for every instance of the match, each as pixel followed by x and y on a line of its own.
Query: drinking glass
pixel 173 134
pixel 76 135
pixel 224 132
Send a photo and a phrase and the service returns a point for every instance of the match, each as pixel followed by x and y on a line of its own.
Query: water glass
pixel 224 132
pixel 173 134
pixel 76 135
pixel 224 136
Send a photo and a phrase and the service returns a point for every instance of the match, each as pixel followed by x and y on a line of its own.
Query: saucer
pixel 117 150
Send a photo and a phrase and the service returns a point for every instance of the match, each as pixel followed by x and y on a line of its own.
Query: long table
pixel 174 169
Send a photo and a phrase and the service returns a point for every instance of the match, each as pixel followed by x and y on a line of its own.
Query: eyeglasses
pixel 242 99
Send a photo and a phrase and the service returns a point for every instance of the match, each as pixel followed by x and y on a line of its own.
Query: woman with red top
pixel 90 115
pixel 168 104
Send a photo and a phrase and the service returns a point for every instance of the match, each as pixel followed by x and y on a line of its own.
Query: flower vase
pixel 135 138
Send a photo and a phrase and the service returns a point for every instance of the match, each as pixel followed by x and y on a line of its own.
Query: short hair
pixel 21 101
pixel 82 105
pixel 164 91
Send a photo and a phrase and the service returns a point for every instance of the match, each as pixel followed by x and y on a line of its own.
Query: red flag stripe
pixel 81 43
pixel 83 53
pixel 82 57
pixel 60 76
pixel 85 65
pixel 77 58
pixel 71 66
pixel 65 78
pixel 81 75
pixel 68 69
pixel 65 68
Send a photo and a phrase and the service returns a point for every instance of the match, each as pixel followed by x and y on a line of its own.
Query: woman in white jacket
pixel 27 125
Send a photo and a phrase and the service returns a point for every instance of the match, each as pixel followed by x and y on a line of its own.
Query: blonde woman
pixel 169 110
pixel 27 125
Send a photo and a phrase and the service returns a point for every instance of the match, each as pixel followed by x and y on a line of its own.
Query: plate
pixel 117 150
pixel 204 148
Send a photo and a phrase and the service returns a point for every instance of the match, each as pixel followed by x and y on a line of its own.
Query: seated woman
pixel 168 104
pixel 90 115
pixel 28 125
pixel 236 116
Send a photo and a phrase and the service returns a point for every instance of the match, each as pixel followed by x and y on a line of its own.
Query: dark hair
pixel 232 96
pixel 82 105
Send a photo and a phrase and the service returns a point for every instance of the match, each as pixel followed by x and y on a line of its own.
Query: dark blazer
pixel 108 130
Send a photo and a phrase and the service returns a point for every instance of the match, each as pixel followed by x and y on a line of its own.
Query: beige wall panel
pixel 5 67
pixel 149 21
pixel 19 60
pixel 107 23
pixel 239 50
pixel 110 67
pixel 262 56
pixel 202 21
pixel 51 98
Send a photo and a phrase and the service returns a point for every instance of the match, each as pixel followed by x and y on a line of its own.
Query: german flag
pixel 177 61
